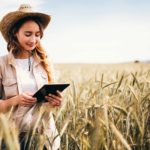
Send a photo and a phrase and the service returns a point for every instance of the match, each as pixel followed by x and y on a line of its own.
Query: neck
pixel 24 54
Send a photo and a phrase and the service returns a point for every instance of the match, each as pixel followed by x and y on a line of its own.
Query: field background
pixel 106 107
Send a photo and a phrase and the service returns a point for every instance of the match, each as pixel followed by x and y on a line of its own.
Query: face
pixel 29 35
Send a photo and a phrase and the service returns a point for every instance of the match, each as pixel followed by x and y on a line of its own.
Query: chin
pixel 30 49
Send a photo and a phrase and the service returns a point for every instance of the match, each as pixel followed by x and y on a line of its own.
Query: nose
pixel 33 39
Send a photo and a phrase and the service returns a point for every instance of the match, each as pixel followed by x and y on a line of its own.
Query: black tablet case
pixel 49 88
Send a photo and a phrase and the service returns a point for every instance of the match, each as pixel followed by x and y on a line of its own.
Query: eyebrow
pixel 32 32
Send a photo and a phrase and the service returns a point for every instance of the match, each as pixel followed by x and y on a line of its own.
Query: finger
pixel 29 97
pixel 24 103
pixel 29 93
pixel 59 94
pixel 55 97
pixel 53 101
pixel 25 96
pixel 27 101
pixel 48 98
pixel 55 104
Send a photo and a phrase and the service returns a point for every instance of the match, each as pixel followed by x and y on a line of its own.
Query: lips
pixel 30 45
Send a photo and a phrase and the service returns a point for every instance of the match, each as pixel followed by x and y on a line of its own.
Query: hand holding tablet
pixel 49 89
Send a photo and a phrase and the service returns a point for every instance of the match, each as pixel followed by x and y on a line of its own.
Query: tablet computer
pixel 49 89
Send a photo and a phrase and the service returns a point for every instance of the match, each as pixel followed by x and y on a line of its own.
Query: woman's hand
pixel 53 99
pixel 26 99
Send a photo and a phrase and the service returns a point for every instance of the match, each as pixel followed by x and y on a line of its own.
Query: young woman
pixel 23 71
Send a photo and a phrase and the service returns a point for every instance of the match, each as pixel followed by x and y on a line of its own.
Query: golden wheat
pixel 105 108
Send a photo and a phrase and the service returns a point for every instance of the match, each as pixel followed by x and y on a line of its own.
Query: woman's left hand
pixel 53 99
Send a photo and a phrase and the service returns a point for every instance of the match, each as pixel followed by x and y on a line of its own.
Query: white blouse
pixel 25 75
pixel 28 84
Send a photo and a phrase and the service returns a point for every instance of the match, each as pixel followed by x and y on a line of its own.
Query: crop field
pixel 106 107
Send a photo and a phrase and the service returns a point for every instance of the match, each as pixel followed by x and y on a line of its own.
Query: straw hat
pixel 24 10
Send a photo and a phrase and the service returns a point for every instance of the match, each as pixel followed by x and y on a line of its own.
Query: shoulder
pixel 4 57
pixel 3 60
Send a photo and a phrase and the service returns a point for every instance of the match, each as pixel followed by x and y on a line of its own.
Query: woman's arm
pixel 5 105
pixel 24 99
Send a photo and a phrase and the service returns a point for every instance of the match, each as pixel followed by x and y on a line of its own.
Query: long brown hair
pixel 14 46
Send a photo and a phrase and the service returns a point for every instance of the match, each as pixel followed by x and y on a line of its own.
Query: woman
pixel 23 71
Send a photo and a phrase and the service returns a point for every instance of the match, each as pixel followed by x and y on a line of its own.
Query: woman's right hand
pixel 26 99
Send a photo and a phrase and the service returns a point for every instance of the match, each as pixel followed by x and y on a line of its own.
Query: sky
pixel 92 31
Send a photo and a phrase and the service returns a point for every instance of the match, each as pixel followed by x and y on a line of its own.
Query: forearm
pixel 5 105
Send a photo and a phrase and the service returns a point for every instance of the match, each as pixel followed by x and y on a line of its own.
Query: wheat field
pixel 106 107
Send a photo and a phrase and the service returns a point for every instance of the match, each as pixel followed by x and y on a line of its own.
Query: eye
pixel 27 34
pixel 38 34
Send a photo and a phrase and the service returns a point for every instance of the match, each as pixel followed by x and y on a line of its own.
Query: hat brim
pixel 11 18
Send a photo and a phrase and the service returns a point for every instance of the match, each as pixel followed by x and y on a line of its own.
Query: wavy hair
pixel 39 52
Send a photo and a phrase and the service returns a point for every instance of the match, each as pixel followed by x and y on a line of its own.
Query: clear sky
pixel 92 31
